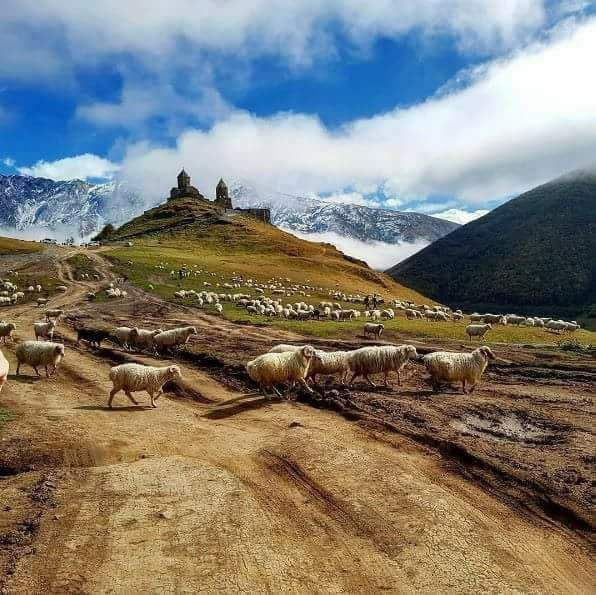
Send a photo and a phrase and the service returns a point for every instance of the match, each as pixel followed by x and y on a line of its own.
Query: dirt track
pixel 217 492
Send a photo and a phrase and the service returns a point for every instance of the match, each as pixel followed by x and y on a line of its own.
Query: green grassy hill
pixel 534 254
pixel 193 232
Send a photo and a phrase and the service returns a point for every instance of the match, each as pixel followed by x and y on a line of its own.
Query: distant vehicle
pixel 93 244
pixel 49 241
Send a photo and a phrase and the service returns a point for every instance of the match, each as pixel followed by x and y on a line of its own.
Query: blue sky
pixel 446 108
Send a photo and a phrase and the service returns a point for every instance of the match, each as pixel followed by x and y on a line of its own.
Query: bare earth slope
pixel 220 491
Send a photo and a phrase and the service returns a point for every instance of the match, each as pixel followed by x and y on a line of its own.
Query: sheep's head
pixel 59 350
pixel 410 351
pixel 308 352
pixel 156 332
pixel 134 332
pixel 486 351
pixel 11 326
pixel 174 372
pixel 192 330
pixel 489 326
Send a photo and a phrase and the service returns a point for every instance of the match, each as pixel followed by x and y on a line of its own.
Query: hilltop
pixel 536 252
pixel 193 230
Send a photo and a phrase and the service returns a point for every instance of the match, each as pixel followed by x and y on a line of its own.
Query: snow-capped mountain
pixel 75 207
pixel 79 209
pixel 313 216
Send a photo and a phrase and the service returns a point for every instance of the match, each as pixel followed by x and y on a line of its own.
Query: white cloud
pixel 519 122
pixel 460 215
pixel 81 167
pixel 393 203
pixel 8 161
pixel 46 37
pixel 379 255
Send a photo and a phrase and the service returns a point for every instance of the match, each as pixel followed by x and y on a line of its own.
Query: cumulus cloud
pixel 297 31
pixel 82 167
pixel 519 122
pixel 461 216
pixel 379 255
pixel 9 162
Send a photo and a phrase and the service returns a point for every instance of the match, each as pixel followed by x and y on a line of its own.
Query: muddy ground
pixel 352 490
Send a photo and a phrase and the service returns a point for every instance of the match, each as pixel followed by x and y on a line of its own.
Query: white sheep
pixel 271 369
pixel 445 366
pixel 39 353
pixel 376 330
pixel 45 330
pixel 328 364
pixel 376 360
pixel 284 348
pixel 174 337
pixel 4 367
pixel 125 336
pixel 6 330
pixel 144 339
pixel 477 330
pixel 136 377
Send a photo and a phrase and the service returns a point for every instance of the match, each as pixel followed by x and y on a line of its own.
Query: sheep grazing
pixel 376 360
pixel 92 336
pixel 42 301
pixel 6 330
pixel 4 367
pixel 466 368
pixel 174 337
pixel 329 364
pixel 125 336
pixel 61 288
pixel 376 330
pixel 54 314
pixel 133 378
pixel 272 369
pixel 39 353
pixel 477 330
pixel 45 330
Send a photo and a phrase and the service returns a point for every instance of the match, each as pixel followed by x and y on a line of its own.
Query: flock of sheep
pixel 283 365
pixel 291 364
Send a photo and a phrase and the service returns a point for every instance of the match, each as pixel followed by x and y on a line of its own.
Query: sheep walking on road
pixel 39 353
pixel 6 330
pixel 135 377
pixel 45 330
pixel 467 368
pixel 376 360
pixel 272 369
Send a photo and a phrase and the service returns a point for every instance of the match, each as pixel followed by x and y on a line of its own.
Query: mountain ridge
pixel 536 252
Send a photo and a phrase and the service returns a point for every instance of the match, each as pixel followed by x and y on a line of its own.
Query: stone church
pixel 222 198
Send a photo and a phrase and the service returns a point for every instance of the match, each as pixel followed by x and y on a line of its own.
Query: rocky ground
pixel 352 490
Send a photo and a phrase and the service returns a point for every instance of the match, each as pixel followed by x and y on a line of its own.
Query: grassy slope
pixel 259 251
pixel 10 246
pixel 189 232
pixel 536 253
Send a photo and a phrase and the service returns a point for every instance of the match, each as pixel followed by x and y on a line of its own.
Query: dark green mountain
pixel 535 253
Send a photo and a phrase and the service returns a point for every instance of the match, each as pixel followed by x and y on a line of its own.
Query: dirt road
pixel 224 493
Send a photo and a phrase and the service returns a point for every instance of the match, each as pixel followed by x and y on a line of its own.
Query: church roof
pixel 221 183
pixel 183 173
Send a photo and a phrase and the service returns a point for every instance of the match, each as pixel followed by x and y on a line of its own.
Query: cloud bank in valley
pixel 378 255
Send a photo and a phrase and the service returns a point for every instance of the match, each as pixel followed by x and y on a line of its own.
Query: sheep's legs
pixel 463 386
pixel 386 381
pixel 113 393
pixel 152 399
pixel 18 368
pixel 369 380
pixel 129 395
pixel 36 371
pixel 354 378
